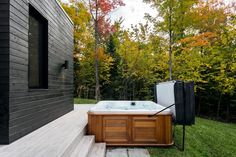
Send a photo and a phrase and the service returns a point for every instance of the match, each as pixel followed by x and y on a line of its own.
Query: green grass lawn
pixel 84 101
pixel 205 139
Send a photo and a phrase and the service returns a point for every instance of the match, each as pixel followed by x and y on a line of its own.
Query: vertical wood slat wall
pixel 30 109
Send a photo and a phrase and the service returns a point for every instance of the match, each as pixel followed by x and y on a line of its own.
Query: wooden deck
pixel 61 137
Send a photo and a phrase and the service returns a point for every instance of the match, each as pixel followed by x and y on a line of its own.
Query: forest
pixel 190 40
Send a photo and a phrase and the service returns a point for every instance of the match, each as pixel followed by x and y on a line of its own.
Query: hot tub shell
pixel 130 127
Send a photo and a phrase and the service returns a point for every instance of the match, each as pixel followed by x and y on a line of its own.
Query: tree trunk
pixel 79 91
pixel 218 106
pixel 125 89
pixel 228 112
pixel 97 87
pixel 87 96
pixel 170 40
pixel 133 91
pixel 199 104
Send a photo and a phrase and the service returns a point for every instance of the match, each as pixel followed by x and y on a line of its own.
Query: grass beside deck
pixel 205 139
pixel 84 101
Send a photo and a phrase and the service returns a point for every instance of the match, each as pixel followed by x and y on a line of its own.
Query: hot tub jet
pixel 133 104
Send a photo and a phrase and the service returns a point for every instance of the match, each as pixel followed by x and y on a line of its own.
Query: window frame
pixel 42 51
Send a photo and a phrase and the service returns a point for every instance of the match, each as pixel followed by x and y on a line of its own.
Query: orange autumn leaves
pixel 200 40
pixel 208 18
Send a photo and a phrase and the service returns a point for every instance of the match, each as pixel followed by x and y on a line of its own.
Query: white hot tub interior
pixel 136 107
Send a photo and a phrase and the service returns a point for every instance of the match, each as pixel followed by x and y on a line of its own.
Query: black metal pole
pixel 183 142
pixel 161 110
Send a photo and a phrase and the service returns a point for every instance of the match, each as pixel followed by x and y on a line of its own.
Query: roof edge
pixel 58 3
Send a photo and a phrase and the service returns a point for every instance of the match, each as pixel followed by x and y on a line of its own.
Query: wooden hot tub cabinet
pixel 131 130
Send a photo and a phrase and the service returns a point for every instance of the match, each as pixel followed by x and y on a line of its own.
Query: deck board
pixel 138 152
pixel 118 152
pixel 127 152
pixel 51 139
pixel 98 150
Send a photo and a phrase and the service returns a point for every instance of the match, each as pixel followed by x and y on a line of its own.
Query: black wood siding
pixel 30 109
pixel 4 70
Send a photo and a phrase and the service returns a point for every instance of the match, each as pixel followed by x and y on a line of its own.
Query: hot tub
pixel 130 123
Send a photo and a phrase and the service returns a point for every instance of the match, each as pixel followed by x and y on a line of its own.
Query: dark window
pixel 38 50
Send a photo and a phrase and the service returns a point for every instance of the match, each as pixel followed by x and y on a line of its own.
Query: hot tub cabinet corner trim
pixel 131 130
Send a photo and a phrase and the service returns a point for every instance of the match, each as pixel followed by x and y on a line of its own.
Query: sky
pixel 133 12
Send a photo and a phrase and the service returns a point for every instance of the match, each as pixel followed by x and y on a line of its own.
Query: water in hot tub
pixel 129 105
